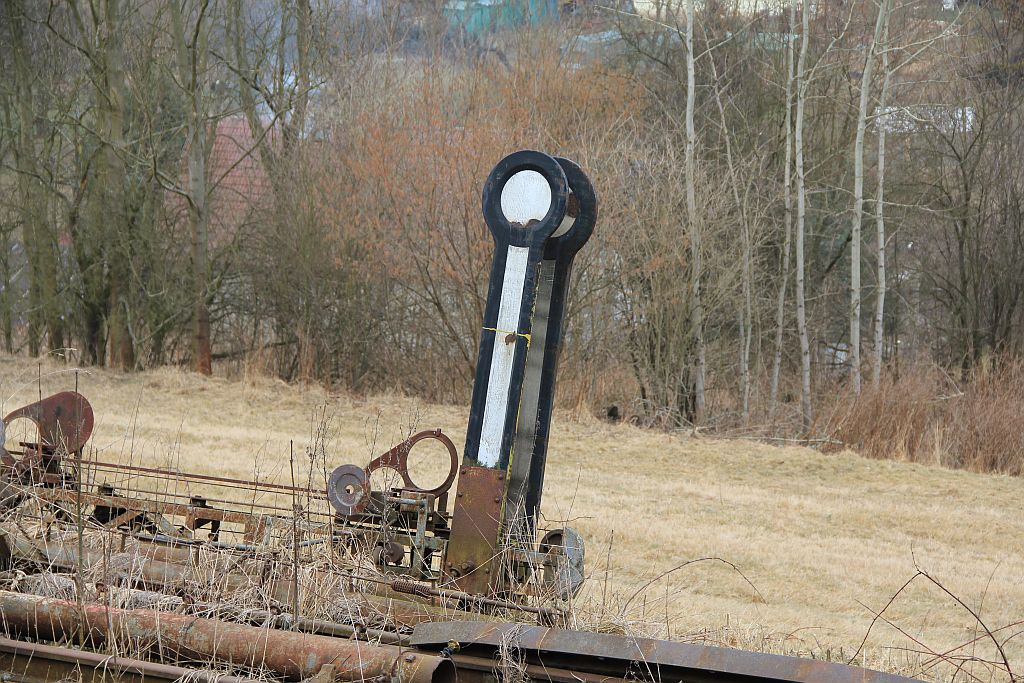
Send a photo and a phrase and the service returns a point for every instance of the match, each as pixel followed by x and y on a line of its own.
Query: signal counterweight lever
pixel 525 199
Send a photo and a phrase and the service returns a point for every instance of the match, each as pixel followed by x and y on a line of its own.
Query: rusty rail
pixel 545 614
pixel 293 655
pixel 638 659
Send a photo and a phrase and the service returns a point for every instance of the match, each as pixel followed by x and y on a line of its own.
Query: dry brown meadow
pixel 824 540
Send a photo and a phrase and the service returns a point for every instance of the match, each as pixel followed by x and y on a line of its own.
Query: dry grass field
pixel 822 541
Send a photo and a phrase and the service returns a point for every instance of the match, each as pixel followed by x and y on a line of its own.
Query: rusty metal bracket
pixel 64 422
pixel 397 459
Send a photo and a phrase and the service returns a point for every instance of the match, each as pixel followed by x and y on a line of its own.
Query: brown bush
pixel 926 416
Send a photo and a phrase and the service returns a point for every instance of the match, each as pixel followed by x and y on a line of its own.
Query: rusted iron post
pixel 293 655
pixel 524 200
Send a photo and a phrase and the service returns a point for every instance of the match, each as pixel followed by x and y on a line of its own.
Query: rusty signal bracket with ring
pixel 397 459
pixel 348 488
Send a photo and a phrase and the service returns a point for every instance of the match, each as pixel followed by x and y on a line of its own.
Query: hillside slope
pixel 822 539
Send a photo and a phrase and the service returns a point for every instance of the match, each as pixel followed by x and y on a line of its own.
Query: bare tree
pixel 802 92
pixel 787 185
pixel 37 236
pixel 883 99
pixel 746 308
pixel 192 54
pixel 693 226
pixel 101 235
pixel 858 195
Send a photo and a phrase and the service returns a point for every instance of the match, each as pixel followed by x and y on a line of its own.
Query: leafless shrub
pixel 924 416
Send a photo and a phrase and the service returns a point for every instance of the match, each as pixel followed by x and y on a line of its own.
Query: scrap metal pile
pixel 132 571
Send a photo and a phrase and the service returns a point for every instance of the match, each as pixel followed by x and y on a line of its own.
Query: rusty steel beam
pixel 638 658
pixel 545 615
pixel 38 663
pixel 293 655
pixel 152 565
pixel 195 476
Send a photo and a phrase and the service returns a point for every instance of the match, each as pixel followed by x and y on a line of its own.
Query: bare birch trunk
pixel 748 312
pixel 691 214
pixel 302 41
pixel 858 200
pixel 879 341
pixel 780 305
pixel 801 215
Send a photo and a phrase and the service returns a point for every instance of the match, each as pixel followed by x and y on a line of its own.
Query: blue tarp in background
pixel 482 16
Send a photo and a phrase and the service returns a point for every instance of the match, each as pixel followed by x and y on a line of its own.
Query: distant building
pixel 239 184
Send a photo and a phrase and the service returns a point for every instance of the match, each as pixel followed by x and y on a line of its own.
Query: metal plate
pixel 525 197
pixel 348 489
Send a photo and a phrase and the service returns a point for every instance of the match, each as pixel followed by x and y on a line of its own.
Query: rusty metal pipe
pixel 142 599
pixel 293 655
pixel 33 661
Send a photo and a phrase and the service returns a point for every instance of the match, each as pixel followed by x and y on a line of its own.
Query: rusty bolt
pixel 510 337
pixel 497 499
